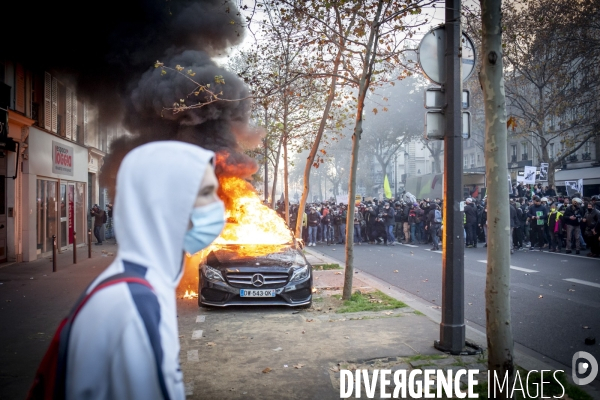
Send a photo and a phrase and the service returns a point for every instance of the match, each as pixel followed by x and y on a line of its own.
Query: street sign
pixel 434 125
pixel 432 51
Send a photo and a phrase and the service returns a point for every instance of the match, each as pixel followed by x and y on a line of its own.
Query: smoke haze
pixel 109 50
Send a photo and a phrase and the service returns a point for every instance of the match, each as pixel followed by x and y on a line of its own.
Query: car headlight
pixel 212 274
pixel 300 274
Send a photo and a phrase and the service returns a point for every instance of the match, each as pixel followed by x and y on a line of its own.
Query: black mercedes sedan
pixel 233 275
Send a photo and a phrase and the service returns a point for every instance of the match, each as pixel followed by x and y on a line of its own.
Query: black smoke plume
pixel 109 49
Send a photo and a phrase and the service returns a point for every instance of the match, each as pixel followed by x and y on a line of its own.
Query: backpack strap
pixel 66 326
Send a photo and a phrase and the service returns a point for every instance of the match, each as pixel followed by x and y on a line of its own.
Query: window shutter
pixel 20 92
pixel 74 116
pixel 69 115
pixel 54 105
pixel 47 101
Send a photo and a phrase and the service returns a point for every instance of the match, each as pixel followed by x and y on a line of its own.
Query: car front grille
pixel 244 279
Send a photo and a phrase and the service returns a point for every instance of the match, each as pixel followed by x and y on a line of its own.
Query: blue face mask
pixel 207 224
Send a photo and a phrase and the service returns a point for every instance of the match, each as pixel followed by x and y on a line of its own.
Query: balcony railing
pixel 513 158
pixel 572 158
pixel 525 157
pixel 586 156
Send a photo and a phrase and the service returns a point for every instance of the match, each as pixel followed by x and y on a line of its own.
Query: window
pixel 586 147
pixel 465 161
pixel 478 160
pixel 514 150
pixel 472 160
pixel 525 148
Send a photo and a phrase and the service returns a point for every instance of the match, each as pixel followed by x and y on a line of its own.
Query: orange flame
pixel 190 294
pixel 249 222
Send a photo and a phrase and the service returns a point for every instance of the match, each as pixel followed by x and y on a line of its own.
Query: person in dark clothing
pixel 313 222
pixel 471 223
pixel 378 230
pixel 550 192
pixel 434 218
pixel 538 214
pixel 398 222
pixel 591 221
pixel 389 219
pixel 99 219
pixel 514 222
pixel 572 220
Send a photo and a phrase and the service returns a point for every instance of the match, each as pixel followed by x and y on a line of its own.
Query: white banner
pixel 520 179
pixel 510 190
pixel 529 175
pixel 543 172
pixel 574 187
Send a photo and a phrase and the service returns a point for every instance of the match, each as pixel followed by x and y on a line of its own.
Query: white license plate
pixel 257 293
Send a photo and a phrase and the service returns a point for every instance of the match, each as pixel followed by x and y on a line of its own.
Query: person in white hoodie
pixel 124 342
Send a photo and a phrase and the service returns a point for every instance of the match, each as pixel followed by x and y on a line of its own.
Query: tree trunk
pixel 286 197
pixel 497 293
pixel 363 87
pixel 315 146
pixel 275 174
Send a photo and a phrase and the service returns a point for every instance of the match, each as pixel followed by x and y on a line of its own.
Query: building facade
pixel 51 178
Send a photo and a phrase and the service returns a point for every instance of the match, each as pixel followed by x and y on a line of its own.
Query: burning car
pixel 255 261
pixel 235 274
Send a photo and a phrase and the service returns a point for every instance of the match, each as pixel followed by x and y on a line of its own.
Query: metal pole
pixel 74 247
pixel 452 327
pixel 53 253
pixel 89 243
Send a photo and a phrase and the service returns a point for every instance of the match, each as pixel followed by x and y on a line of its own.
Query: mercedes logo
pixel 258 280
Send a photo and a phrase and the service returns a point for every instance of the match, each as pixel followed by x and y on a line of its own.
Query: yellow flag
pixel 387 191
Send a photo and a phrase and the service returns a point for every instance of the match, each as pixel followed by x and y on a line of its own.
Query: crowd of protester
pixel 539 220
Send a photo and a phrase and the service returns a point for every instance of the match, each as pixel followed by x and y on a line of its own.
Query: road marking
pixel 200 318
pixel 409 245
pixel 193 356
pixel 583 282
pixel 513 267
pixel 570 255
pixel 435 251
pixel 197 334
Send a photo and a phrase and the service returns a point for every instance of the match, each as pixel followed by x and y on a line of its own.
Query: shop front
pixel 55 181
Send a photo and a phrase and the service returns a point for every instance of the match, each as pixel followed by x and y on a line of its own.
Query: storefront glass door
pixel 64 218
pixel 47 214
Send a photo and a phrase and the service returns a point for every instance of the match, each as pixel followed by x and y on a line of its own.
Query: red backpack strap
pixel 61 366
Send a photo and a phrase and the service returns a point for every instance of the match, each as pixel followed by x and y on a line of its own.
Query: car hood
pixel 235 256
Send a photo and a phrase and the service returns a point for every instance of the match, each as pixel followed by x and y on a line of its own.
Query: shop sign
pixel 62 159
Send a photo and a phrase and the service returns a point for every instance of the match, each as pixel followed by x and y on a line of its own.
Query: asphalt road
pixel 551 313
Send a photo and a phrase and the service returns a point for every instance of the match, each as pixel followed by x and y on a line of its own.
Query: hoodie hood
pixel 157 186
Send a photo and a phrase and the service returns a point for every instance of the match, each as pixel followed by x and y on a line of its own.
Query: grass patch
pixel 317 300
pixel 418 313
pixel 375 301
pixel 325 267
pixel 337 296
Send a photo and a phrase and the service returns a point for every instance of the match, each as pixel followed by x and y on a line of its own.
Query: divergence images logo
pixel 584 363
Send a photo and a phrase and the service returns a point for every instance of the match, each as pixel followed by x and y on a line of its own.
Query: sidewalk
pixel 33 301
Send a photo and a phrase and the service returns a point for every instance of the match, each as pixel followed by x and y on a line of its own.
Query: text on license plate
pixel 257 293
